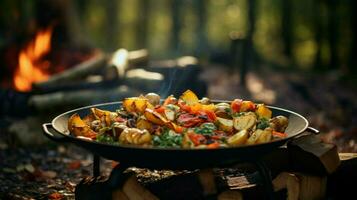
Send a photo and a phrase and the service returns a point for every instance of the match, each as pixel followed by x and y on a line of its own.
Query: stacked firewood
pixel 114 76
pixel 304 169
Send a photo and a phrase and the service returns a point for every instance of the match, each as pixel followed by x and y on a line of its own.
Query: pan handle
pixel 312 130
pixel 50 135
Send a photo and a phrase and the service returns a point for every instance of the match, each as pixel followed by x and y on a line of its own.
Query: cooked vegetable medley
pixel 186 122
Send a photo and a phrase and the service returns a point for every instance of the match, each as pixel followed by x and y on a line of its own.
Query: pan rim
pixel 136 147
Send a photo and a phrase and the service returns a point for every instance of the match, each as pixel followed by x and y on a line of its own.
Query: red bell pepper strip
pixel 188 120
pixel 279 134
pixel 197 139
pixel 213 145
pixel 211 115
pixel 183 106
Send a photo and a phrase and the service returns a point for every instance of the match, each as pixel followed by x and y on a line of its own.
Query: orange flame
pixel 31 67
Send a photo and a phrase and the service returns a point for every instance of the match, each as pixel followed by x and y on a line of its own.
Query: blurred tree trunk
pixel 176 26
pixel 247 57
pixel 143 23
pixel 352 63
pixel 111 25
pixel 287 32
pixel 332 32
pixel 318 35
pixel 201 41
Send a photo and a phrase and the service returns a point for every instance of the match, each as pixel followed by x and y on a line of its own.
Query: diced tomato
pixel 236 105
pixel 247 106
pixel 216 137
pixel 179 129
pixel 160 109
pixel 197 139
pixel 213 145
pixel 279 134
pixel 170 100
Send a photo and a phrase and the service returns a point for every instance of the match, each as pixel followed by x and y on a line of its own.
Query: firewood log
pixel 309 154
pixel 134 191
pixel 101 63
pixel 312 187
pixel 230 195
pixel 301 186
pixel 206 178
pixel 91 66
pixel 70 99
pixel 288 181
pixel 118 194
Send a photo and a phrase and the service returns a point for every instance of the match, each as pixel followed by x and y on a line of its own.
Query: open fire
pixel 32 64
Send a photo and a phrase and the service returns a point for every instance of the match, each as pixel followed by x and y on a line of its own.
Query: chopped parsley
pixel 263 123
pixel 105 139
pixel 205 129
pixel 167 139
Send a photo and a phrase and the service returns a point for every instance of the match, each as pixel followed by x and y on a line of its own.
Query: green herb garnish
pixel 168 139
pixel 205 129
pixel 105 139
pixel 263 123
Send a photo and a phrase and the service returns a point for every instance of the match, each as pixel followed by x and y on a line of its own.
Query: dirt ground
pixel 328 102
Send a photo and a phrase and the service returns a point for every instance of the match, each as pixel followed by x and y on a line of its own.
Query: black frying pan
pixel 174 158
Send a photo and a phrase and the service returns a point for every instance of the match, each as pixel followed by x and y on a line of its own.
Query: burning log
pixel 91 66
pixel 123 60
pixel 137 82
pixel 109 65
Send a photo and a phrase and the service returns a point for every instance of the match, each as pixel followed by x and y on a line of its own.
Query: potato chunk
pixel 153 98
pixel 238 138
pixel 279 123
pixel 255 136
pixel 245 121
pixel 225 124
pixel 135 136
pixel 265 136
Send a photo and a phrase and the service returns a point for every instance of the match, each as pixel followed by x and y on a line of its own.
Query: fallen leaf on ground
pixel 55 195
pixel 74 165
pixel 49 174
